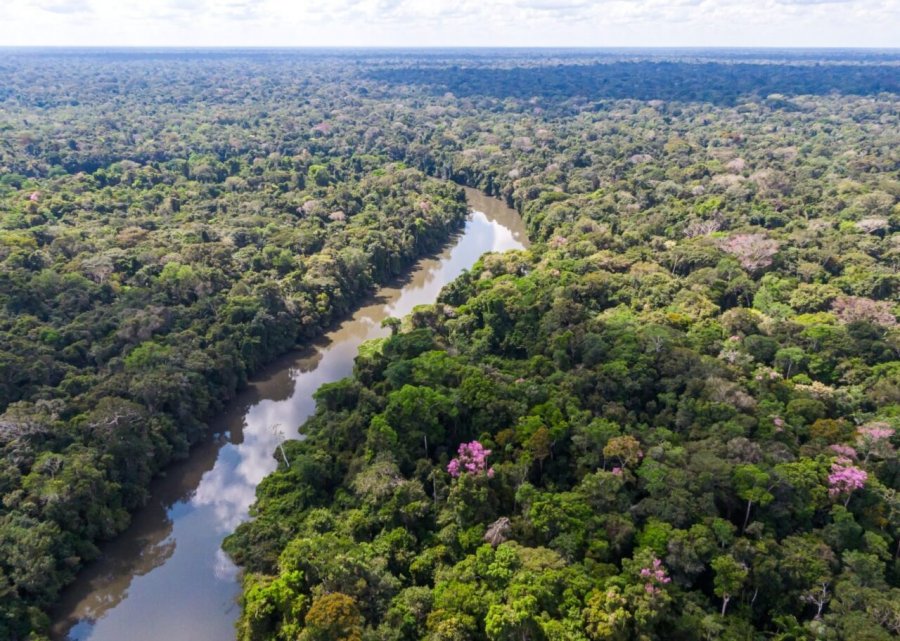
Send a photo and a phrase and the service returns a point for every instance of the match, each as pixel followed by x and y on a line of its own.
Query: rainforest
pixel 669 413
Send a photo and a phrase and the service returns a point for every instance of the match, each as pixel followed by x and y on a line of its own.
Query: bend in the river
pixel 166 577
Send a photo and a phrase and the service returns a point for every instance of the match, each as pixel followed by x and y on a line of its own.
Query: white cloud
pixel 65 6
pixel 813 1
pixel 452 22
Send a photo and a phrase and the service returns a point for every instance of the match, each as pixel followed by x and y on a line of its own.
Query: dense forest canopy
pixel 716 82
pixel 674 416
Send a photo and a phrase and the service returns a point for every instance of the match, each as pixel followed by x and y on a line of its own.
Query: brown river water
pixel 166 578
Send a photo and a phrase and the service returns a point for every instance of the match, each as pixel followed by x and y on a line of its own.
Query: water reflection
pixel 166 576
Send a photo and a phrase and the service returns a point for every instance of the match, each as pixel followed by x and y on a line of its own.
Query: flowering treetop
pixel 471 459
pixel 860 308
pixel 876 431
pixel 843 450
pixel 753 251
pixel 874 439
pixel 655 576
pixel 845 478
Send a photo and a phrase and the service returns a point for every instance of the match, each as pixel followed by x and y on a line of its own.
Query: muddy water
pixel 166 578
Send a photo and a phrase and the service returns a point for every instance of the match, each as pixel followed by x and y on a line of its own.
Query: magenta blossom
pixel 34 196
pixel 844 451
pixel 656 576
pixel 471 459
pixel 845 478
pixel 876 431
pixel 616 471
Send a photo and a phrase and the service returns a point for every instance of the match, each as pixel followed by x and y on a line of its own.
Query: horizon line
pixel 467 47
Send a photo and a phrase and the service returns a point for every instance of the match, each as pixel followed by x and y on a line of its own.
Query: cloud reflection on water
pixel 168 578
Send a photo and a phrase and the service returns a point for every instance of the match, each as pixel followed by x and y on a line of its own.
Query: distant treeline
pixel 726 83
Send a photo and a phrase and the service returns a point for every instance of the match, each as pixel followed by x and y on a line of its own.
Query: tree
pixel 540 445
pixel 729 578
pixel 845 478
pixel 513 621
pixel 752 485
pixel 333 617
pixel 392 323
pixel 753 251
pixel 790 360
pixel 850 309
pixel 624 449
pixel 807 565
pixel 471 459
pixel 419 412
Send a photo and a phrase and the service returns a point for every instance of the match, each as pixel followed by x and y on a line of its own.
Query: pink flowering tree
pixel 471 458
pixel 655 576
pixel 766 375
pixel 874 439
pixel 844 450
pixel 646 580
pixel 753 251
pixel 845 477
pixel 859 308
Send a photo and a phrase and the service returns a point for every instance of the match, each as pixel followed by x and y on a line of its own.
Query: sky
pixel 417 23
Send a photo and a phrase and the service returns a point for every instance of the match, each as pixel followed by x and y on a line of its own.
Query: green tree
pixel 333 617
pixel 753 485
pixel 729 578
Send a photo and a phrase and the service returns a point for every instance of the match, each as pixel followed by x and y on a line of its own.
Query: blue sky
pixel 593 23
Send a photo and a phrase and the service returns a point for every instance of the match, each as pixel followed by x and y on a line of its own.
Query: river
pixel 166 578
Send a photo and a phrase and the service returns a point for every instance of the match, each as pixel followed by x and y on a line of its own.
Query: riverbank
pixel 166 576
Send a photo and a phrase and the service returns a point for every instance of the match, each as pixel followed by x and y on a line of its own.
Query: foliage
pixel 687 386
pixel 153 258
pixel 471 459
pixel 688 382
